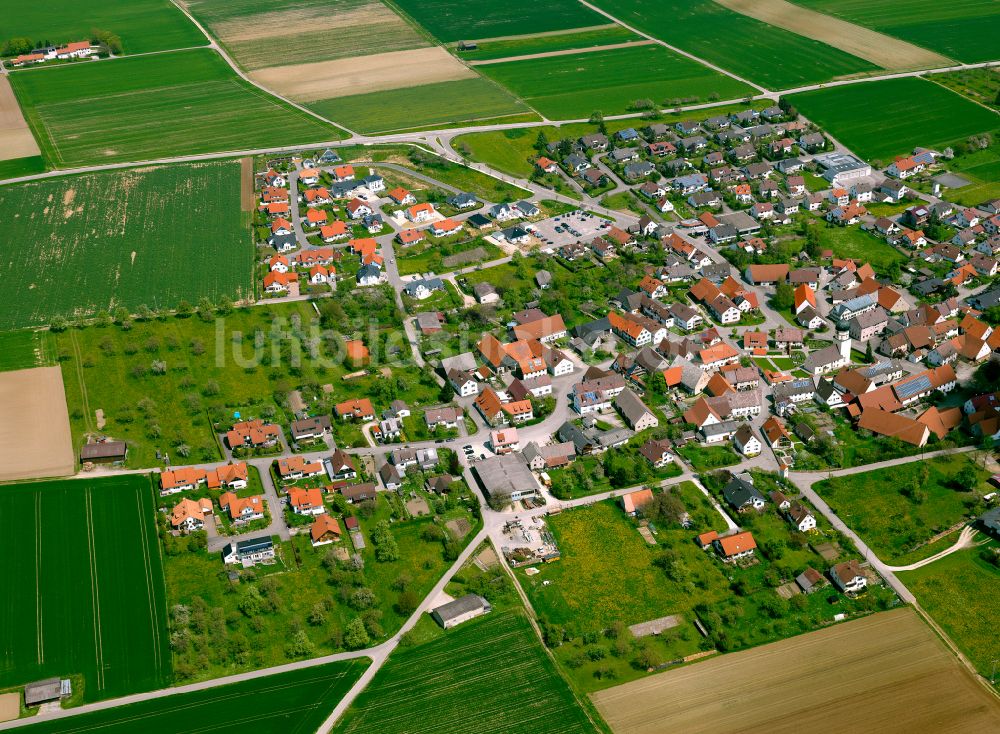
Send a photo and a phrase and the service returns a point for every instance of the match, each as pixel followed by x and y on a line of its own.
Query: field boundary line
pixel 675 49
pixel 563 52
pixel 543 34
pixel 39 632
pixel 95 593
pixel 150 595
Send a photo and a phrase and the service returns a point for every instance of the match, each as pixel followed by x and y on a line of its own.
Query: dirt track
pixel 885 673
pixel 394 70
pixel 885 51
pixel 563 52
pixel 35 439
pixel 16 140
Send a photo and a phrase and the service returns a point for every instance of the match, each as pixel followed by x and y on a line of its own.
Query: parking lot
pixel 567 229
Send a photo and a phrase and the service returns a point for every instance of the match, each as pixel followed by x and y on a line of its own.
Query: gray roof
pixel 631 407
pixel 504 475
pixel 461 606
pixel 740 493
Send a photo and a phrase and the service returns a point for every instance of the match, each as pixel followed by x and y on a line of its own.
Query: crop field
pixel 422 106
pixel 454 20
pixel 154 106
pixel 21 350
pixel 536 44
pixel 296 702
pixel 982 169
pixel 881 119
pixel 573 86
pixel 151 236
pixel 35 438
pixel 762 53
pixel 960 592
pixel 876 504
pixel 888 670
pixel 261 33
pixel 84 569
pixel 142 25
pixel 967 30
pixel 489 675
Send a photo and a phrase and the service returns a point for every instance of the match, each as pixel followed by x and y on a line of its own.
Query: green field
pixel 705 458
pixel 545 44
pixel 85 586
pixel 573 86
pixel 454 20
pixel 296 702
pixel 967 30
pixel 879 120
pixel 853 242
pixel 21 167
pixel 960 592
pixel 770 56
pixel 154 106
pixel 489 676
pixel 212 369
pixel 981 85
pixel 305 31
pixel 982 169
pixel 429 105
pixel 142 25
pixel 883 508
pixel 152 236
pixel 21 350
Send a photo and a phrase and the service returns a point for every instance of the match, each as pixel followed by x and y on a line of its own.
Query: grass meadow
pixel 875 505
pixel 85 585
pixel 150 107
pixel 16 167
pixel 489 675
pixel 430 105
pixel 762 53
pixel 968 30
pixel 142 25
pixel 24 349
pixel 573 86
pixel 960 592
pixel 982 169
pixel 296 702
pixel 305 31
pixel 151 236
pixel 454 20
pixel 544 44
pixel 879 120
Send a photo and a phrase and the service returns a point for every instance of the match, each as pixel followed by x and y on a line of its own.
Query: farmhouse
pixel 460 610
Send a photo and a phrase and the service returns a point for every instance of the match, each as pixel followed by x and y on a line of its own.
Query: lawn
pixel 573 86
pixel 155 106
pixel 142 25
pixel 429 258
pixel 453 20
pixel 306 593
pixel 960 592
pixel 968 30
pixel 490 676
pixel 535 44
pixel 210 373
pixel 982 169
pixel 854 242
pixel 295 702
pixel 306 31
pixel 882 119
pixel 152 236
pixel 421 107
pixel 705 458
pixel 83 556
pixel 895 519
pixel 770 56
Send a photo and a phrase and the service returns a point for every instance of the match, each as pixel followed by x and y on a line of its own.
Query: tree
pixel 16 46
pixel 385 544
pixel 784 297
pixel 869 356
pixel 356 636
pixel 541 142
pixel 300 646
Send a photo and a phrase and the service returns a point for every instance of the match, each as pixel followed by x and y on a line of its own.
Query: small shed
pixel 104 452
pixel 467 45
pixel 50 689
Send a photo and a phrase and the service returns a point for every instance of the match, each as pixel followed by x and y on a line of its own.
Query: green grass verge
pixel 21 167
pixel 83 556
pixel 122 238
pixel 573 86
pixel 881 507
pixel 454 20
pixel 496 662
pixel 959 592
pixel 150 107
pixel 287 703
pixel 546 44
pixel 428 105
pixel 142 25
pixel 879 120
pixel 770 56
pixel 21 350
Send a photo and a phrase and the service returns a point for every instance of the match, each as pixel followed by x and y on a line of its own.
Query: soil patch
pixel 364 74
pixel 889 668
pixel 459 527
pixel 288 23
pixel 16 140
pixel 248 196
pixel 35 439
pixel 10 706
pixel 885 51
